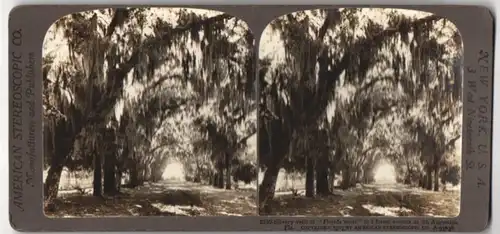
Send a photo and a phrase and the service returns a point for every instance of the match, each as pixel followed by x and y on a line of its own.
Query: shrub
pixel 246 173
pixel 451 174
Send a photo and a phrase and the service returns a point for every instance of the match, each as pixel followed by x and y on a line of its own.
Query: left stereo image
pixel 149 112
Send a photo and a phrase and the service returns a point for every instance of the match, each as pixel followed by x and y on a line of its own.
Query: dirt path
pixel 370 200
pixel 165 198
pixel 216 202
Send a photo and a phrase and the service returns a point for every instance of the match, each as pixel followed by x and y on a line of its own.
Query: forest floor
pixel 369 200
pixel 165 198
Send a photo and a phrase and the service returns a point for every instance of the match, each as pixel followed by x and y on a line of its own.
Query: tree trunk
pixel 359 175
pixel 119 176
pixel 332 174
pixel 110 162
pixel 122 165
pixel 331 179
pixel 197 175
pixel 51 186
pixel 220 178
pixel 309 177
pixel 158 173
pixel 140 174
pixel 152 176
pixel 63 141
pixel 228 170
pixel 322 181
pixel 346 179
pixel 214 179
pixel 428 184
pixel 408 179
pixel 421 180
pixel 134 176
pixel 97 175
pixel 267 187
pixel 436 178
pixel 145 173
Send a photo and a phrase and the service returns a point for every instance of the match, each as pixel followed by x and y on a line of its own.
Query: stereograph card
pixel 250 118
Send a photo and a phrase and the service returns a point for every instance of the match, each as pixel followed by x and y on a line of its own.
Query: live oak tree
pixel 432 114
pixel 148 125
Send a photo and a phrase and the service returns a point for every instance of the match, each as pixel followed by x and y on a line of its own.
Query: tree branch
pixel 119 17
pixel 453 140
pixel 372 83
pixel 120 74
pixel 369 149
pixel 331 18
pixel 160 146
pixel 246 137
pixel 374 41
pixel 161 80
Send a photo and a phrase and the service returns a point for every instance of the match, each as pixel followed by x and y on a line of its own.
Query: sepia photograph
pixel 360 114
pixel 149 112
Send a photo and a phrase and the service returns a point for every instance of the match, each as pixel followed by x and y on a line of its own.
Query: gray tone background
pixel 474 23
